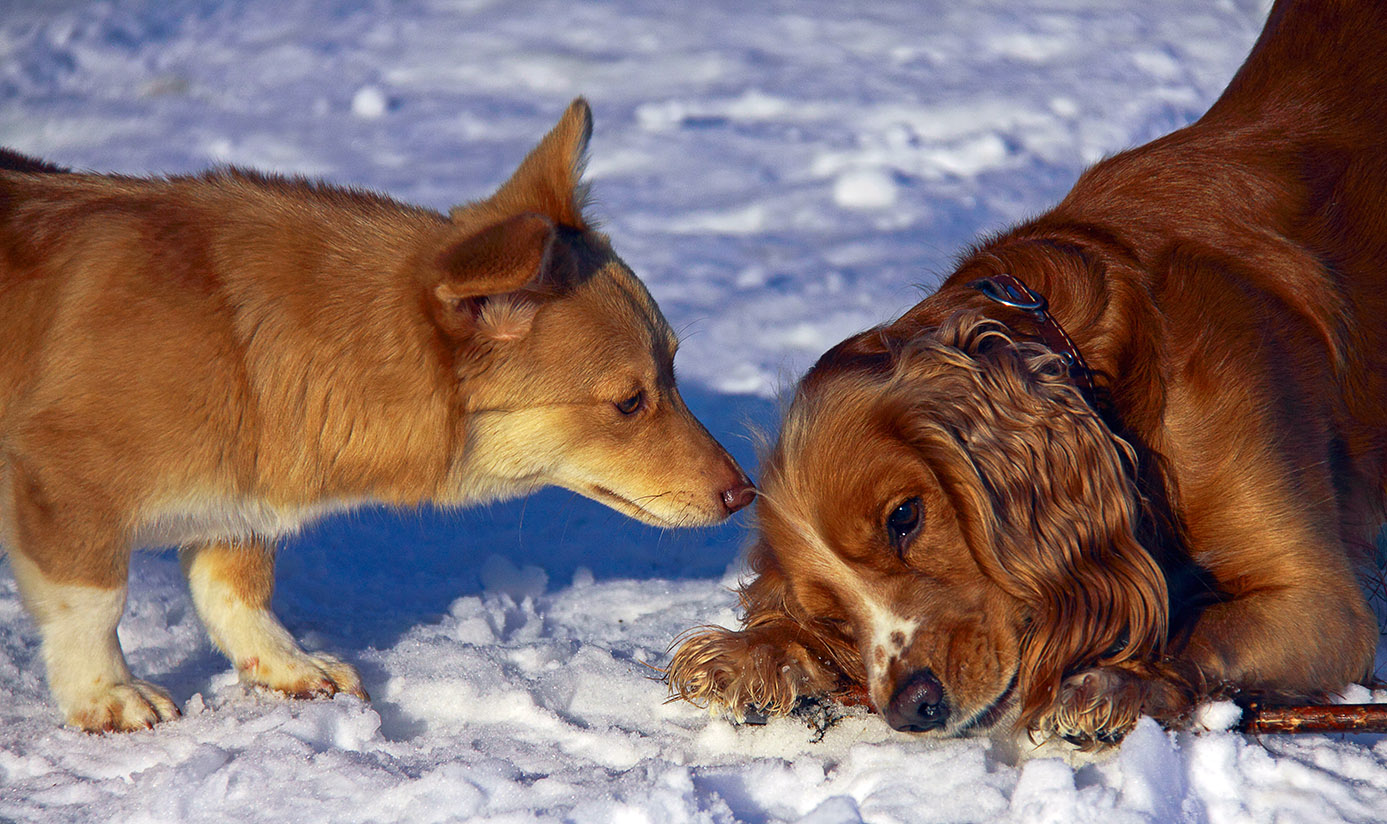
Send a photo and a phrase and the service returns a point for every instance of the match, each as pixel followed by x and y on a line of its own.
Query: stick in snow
pixel 1307 718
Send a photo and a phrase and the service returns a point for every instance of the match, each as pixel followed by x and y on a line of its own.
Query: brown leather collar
pixel 1008 290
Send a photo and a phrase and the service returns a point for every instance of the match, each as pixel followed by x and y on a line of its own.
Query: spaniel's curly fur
pixel 1194 531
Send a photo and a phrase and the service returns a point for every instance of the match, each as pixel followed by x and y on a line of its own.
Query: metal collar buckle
pixel 1008 290
pixel 1014 294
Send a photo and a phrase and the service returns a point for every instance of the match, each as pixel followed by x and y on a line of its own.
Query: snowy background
pixel 782 175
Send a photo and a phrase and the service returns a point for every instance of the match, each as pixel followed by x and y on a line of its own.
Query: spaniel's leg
pixel 1303 639
pixel 231 586
pixel 1294 622
pixel 1294 625
pixel 765 667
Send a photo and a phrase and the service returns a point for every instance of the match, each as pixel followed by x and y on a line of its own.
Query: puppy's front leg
pixel 87 673
pixel 231 584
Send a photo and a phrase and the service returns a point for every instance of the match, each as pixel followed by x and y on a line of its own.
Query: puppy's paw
pixel 748 674
pixel 300 674
pixel 1096 708
pixel 124 707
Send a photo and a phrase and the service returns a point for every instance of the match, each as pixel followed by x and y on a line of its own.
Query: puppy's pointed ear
pixel 549 181
pixel 485 282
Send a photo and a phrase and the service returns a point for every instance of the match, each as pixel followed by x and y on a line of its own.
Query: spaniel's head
pixel 953 509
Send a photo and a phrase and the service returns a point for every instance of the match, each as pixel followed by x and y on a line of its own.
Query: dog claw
pixel 754 717
pixel 126 707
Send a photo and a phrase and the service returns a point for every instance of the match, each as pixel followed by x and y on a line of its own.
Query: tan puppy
pixel 211 361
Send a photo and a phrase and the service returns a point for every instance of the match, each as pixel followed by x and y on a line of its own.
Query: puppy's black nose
pixel 918 705
pixel 739 496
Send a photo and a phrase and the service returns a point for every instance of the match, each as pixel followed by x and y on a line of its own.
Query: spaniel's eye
pixel 904 520
pixel 631 405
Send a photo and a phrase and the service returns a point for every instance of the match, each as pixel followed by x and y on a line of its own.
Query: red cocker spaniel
pixel 1131 454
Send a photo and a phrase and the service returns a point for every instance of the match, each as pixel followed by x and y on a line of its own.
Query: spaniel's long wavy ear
pixel 1048 500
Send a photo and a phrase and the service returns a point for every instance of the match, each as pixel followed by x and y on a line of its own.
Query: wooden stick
pixel 1258 718
pixel 1323 718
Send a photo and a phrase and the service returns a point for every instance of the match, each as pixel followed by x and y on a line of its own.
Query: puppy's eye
pixel 631 405
pixel 904 520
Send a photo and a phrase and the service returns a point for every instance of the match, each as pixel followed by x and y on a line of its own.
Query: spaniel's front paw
pixel 758 671
pixel 1096 708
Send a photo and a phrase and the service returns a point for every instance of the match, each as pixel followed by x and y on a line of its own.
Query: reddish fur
pixel 1226 283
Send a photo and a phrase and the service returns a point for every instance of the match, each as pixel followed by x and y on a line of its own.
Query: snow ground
pixel 781 174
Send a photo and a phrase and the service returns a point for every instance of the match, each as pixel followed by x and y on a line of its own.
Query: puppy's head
pixel 952 508
pixel 564 364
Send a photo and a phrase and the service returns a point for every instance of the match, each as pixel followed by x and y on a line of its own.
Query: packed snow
pixel 782 175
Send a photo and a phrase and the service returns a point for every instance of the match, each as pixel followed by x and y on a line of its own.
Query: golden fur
pixel 210 361
pixel 952 533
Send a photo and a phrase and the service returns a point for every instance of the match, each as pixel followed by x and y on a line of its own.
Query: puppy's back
pixel 233 327
pixel 12 161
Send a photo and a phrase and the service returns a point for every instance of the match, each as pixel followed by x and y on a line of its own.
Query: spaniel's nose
pixel 918 705
pixel 738 496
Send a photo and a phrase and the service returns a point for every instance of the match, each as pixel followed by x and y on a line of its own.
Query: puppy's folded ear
pixel 487 282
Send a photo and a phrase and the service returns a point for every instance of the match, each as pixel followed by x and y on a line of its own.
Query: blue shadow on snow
pixel 365 577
